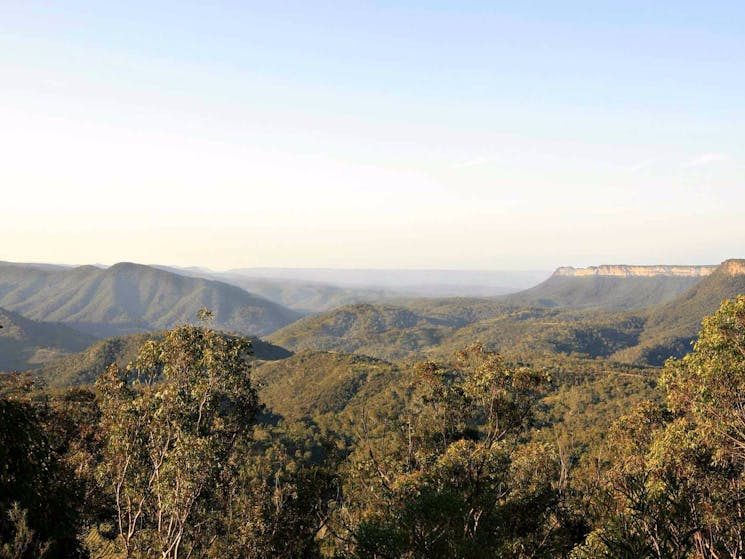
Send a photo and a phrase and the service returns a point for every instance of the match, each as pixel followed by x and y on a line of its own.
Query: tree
pixel 708 384
pixel 448 479
pixel 676 486
pixel 38 489
pixel 172 420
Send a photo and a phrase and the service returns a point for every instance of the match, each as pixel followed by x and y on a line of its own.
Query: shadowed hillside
pixel 537 333
pixel 28 343
pixel 128 298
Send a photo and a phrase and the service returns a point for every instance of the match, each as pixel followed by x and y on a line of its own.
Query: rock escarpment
pixel 733 267
pixel 624 271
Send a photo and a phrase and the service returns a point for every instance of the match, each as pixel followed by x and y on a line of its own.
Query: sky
pixel 393 134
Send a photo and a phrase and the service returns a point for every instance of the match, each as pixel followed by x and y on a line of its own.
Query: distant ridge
pixel 412 282
pixel 127 298
pixel 626 271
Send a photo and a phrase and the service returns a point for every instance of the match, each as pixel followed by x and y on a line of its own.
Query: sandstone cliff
pixel 733 267
pixel 620 270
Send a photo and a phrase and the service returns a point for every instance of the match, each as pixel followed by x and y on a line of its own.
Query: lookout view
pixel 372 280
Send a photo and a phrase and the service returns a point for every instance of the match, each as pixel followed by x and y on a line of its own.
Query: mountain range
pixel 631 314
pixel 128 298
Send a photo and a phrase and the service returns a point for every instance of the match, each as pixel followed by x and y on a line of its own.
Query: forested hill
pixel 408 328
pixel 611 287
pixel 312 383
pixel 128 298
pixel 85 366
pixel 387 331
pixel 25 342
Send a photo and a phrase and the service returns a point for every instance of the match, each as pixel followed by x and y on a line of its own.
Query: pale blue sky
pixel 372 134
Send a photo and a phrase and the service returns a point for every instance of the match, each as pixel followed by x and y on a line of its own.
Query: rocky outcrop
pixel 733 267
pixel 624 271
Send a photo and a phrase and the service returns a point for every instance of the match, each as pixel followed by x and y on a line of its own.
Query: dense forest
pixel 403 428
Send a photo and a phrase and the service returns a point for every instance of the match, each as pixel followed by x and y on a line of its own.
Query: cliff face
pixel 623 271
pixel 733 267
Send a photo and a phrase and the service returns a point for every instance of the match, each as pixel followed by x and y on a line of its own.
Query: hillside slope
pixel 379 330
pixel 407 329
pixel 314 383
pixel 128 298
pixel 611 287
pixel 25 343
pixel 670 328
pixel 539 334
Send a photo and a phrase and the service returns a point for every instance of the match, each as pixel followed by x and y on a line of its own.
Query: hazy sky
pixel 446 134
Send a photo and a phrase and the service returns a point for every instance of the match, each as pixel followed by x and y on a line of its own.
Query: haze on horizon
pixel 448 135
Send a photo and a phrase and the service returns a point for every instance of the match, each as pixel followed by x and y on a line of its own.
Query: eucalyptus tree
pixel 172 420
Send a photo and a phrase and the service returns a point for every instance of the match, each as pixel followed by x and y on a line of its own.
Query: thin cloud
pixel 707 159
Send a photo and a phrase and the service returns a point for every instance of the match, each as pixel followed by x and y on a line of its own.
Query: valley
pixel 341 373
pixel 628 315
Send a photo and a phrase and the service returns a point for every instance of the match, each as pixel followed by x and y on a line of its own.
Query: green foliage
pixel 381 331
pixel 283 493
pixel 445 478
pixel 709 382
pixel 171 423
pixel 355 456
pixel 677 482
pixel 23 538
pixel 581 407
pixel 534 334
pixel 38 489
pixel 87 365
pixel 531 324
pixel 438 327
pixel 310 384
